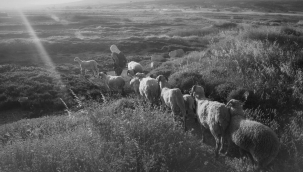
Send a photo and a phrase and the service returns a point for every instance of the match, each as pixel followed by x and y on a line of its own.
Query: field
pixel 71 124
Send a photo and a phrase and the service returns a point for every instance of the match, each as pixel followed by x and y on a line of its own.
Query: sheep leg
pixel 203 133
pixel 217 147
pixel 222 145
pixel 228 146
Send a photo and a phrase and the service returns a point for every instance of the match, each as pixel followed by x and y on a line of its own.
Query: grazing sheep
pixel 133 68
pixel 135 83
pixel 190 105
pixel 149 89
pixel 119 59
pixel 88 65
pixel 113 82
pixel 212 115
pixel 172 98
pixel 255 139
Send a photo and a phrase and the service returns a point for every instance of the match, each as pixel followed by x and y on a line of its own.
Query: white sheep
pixel 149 89
pixel 133 68
pixel 190 105
pixel 113 82
pixel 135 83
pixel 211 115
pixel 88 65
pixel 172 98
pixel 253 138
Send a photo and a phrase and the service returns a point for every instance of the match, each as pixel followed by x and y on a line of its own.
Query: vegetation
pixel 104 132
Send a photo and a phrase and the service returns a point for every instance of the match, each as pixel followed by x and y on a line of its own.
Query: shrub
pixel 185 80
pixel 166 69
pixel 222 91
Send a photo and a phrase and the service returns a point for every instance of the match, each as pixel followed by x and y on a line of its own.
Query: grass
pixel 134 138
pixel 124 134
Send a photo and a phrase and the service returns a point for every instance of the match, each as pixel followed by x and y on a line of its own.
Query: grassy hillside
pixel 125 134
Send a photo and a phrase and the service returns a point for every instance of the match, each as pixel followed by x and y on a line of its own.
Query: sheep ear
pixel 158 78
pixel 192 90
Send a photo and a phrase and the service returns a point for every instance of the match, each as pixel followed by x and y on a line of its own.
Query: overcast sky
pixel 24 3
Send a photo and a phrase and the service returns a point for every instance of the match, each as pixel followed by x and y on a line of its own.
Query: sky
pixel 27 3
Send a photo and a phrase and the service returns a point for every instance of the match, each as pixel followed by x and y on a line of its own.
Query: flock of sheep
pixel 226 122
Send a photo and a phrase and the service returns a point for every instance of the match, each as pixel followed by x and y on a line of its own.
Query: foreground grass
pixel 121 136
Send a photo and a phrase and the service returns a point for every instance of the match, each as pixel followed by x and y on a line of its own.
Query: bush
pixel 185 80
pixel 166 69
pixel 222 91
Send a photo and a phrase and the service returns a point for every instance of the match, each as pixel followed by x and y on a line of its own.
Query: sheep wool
pixel 149 89
pixel 212 115
pixel 259 141
pixel 172 98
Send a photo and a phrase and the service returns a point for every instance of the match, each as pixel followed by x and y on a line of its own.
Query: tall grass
pixel 132 138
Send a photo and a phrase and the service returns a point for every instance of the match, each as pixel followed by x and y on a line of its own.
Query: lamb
pixel 88 65
pixel 258 141
pixel 212 115
pixel 172 98
pixel 149 89
pixel 190 105
pixel 113 82
pixel 133 68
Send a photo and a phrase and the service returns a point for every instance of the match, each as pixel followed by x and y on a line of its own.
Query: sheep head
pixel 77 59
pixel 140 75
pixel 162 80
pixel 236 107
pixel 130 73
pixel 102 75
pixel 197 91
pixel 235 103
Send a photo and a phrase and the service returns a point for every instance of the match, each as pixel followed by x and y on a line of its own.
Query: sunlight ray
pixel 39 46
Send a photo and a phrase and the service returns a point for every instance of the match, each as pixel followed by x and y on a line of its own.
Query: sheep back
pixel 135 83
pixel 136 67
pixel 116 82
pixel 213 115
pixel 149 88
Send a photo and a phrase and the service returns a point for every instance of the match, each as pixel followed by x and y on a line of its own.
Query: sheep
pixel 88 65
pixel 211 115
pixel 258 141
pixel 133 68
pixel 149 89
pixel 172 98
pixel 113 82
pixel 135 83
pixel 190 105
